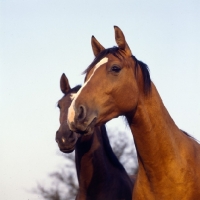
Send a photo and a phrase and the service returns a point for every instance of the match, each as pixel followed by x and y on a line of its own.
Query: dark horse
pixel 118 84
pixel 100 174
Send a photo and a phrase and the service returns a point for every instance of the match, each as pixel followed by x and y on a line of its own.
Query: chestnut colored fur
pixel 169 160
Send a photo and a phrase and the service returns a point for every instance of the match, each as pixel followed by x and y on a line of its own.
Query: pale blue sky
pixel 39 40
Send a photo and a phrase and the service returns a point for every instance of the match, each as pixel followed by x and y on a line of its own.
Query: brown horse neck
pixel 155 134
pixel 166 156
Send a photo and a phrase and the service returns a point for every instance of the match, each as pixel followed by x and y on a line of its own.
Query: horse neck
pixel 100 174
pixel 92 161
pixel 156 136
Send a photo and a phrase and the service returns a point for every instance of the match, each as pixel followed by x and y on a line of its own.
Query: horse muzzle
pixel 66 141
pixel 80 120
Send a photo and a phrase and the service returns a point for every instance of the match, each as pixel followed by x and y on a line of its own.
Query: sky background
pixel 40 39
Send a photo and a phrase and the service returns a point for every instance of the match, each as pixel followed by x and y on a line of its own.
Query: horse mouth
pixel 89 129
pixel 81 127
pixel 67 150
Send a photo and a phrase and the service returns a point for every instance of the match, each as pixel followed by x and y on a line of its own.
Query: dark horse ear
pixel 64 84
pixel 96 46
pixel 121 42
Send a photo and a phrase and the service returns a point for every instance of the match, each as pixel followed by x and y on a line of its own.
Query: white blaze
pixel 71 111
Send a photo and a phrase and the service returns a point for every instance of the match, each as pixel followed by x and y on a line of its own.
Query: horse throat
pixel 91 162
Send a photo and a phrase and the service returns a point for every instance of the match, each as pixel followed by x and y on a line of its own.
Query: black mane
pixel 108 149
pixel 190 136
pixel 73 90
pixel 145 73
pixel 115 51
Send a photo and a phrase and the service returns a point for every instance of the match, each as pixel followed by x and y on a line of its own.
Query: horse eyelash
pixel 117 68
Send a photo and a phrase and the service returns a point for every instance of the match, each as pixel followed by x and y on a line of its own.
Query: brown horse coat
pixel 118 84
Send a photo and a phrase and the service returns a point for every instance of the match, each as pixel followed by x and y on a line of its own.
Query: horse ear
pixel 64 84
pixel 121 42
pixel 96 46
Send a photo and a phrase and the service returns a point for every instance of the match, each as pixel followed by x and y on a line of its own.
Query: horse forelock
pixel 73 90
pixel 104 53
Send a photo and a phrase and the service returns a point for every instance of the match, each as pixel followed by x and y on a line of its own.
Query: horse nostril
pixel 81 113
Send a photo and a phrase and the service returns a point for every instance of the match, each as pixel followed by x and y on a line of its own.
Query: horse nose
pixel 64 139
pixel 81 113
pixel 59 138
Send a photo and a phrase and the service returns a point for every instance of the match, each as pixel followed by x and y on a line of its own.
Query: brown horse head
pixel 106 92
pixel 66 138
pixel 118 84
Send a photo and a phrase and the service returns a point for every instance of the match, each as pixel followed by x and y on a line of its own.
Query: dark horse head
pixel 66 138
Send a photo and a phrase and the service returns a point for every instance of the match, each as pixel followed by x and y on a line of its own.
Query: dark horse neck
pixel 99 171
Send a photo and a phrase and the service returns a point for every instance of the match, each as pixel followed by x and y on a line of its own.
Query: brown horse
pixel 100 174
pixel 118 84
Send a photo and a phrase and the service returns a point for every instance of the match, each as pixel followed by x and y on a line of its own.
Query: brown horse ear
pixel 121 42
pixel 64 84
pixel 96 46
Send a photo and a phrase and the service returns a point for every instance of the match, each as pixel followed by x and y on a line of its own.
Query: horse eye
pixel 58 106
pixel 115 69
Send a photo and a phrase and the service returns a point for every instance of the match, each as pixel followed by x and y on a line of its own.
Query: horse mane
pixel 108 149
pixel 73 90
pixel 190 136
pixel 115 51
pixel 145 73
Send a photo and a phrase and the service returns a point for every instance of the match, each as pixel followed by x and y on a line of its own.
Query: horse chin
pixel 81 129
pixel 67 150
pixel 90 128
pixel 90 131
